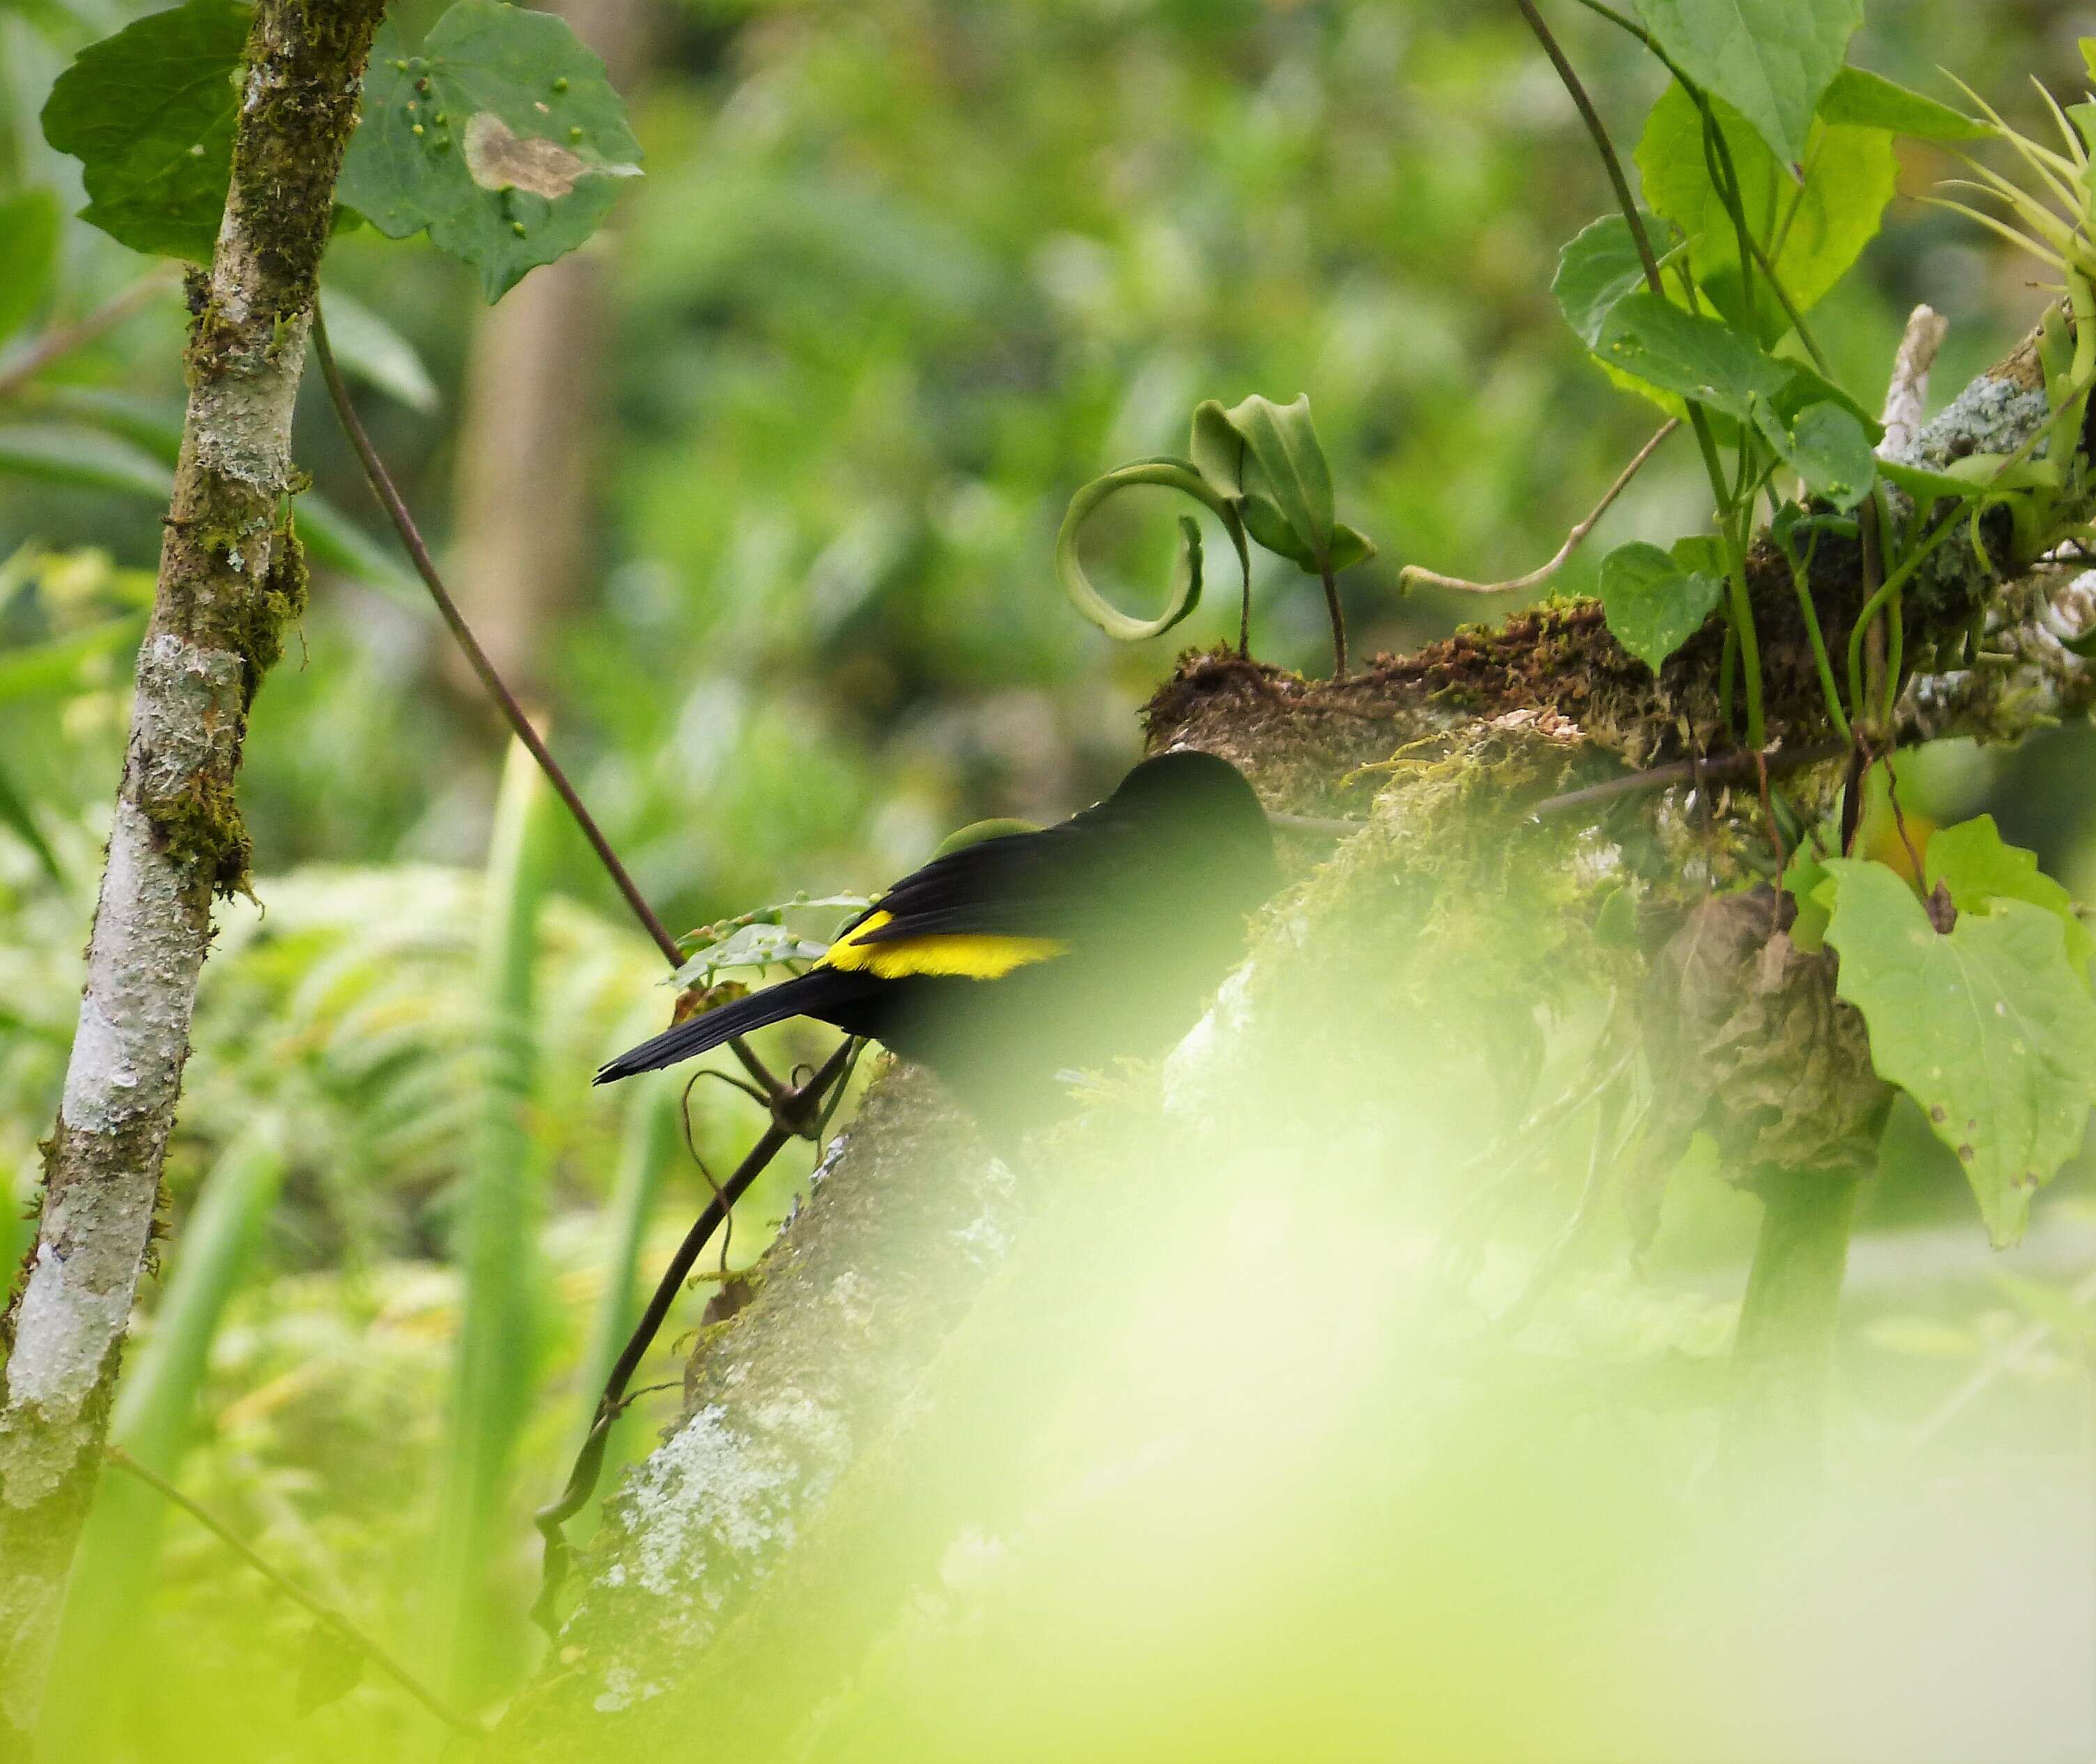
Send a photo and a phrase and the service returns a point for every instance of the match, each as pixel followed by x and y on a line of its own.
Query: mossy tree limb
pixel 230 577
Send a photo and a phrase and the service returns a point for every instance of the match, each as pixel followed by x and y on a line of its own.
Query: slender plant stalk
pixel 520 724
pixel 112 1590
pixel 1777 1427
pixel 1706 442
pixel 318 1609
pixel 497 1348
pixel 801 1113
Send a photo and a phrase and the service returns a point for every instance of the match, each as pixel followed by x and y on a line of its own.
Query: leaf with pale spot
pixel 503 138
pixel 1989 1028
pixel 1979 867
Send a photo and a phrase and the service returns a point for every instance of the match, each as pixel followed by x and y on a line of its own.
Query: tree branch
pixel 231 577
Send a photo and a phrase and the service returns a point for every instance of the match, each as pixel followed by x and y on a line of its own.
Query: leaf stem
pixel 1338 622
pixel 404 524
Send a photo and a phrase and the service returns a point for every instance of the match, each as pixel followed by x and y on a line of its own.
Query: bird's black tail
pixel 812 994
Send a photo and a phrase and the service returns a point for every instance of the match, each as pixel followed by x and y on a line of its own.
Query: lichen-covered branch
pixel 788 1462
pixel 231 577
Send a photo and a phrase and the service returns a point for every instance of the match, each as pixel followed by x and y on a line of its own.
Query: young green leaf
pixel 1185 593
pixel 1771 60
pixel 1281 457
pixel 1827 447
pixel 29 248
pixel 149 113
pixel 1597 268
pixel 1652 603
pixel 1979 867
pixel 1812 234
pixel 503 138
pixel 1702 359
pixel 1988 1028
pixel 1805 879
pixel 1871 101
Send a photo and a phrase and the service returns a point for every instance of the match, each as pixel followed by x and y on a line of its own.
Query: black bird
pixel 1003 962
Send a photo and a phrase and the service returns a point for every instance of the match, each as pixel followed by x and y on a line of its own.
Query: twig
pixel 404 524
pixel 589 1460
pixel 1908 392
pixel 54 344
pixel 1731 768
pixel 1417 575
pixel 321 1612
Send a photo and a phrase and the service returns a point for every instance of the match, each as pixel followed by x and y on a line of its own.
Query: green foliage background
pixel 903 274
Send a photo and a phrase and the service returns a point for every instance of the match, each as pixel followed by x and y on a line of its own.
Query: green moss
pixel 201 829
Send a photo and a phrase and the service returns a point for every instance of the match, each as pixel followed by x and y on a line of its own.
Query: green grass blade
pixel 154 1421
pixel 497 1351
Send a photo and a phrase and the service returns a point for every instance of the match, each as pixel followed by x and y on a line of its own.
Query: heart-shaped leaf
pixel 1988 1028
pixel 1698 358
pixel 149 113
pixel 1652 604
pixel 1597 268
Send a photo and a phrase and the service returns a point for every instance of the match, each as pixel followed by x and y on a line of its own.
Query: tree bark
pixel 231 577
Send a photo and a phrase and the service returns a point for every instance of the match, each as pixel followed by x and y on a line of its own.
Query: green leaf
pixel 29 249
pixel 1185 593
pixel 1924 484
pixel 1268 527
pixel 15 815
pixel 503 138
pixel 1282 458
pixel 148 113
pixel 1701 359
pixel 1699 550
pixel 1597 268
pixel 370 350
pixel 1989 1028
pixel 1805 878
pixel 1652 604
pixel 1871 100
pixel 1827 447
pixel 1349 547
pixel 1771 60
pixel 1812 235
pixel 1972 860
pixel 335 542
pixel 59 453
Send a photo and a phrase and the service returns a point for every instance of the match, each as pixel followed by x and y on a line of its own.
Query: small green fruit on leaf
pixel 1698 358
pixel 1599 266
pixel 1771 60
pixel 503 138
pixel 29 252
pixel 1978 867
pixel 1652 604
pixel 1828 449
pixel 149 113
pixel 1989 1028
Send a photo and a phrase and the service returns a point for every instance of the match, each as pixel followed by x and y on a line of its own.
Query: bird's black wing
pixel 1037 885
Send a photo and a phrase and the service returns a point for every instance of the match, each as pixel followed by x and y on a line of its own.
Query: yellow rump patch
pixel 972 955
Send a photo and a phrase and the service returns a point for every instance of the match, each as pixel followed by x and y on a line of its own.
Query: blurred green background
pixel 757 497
